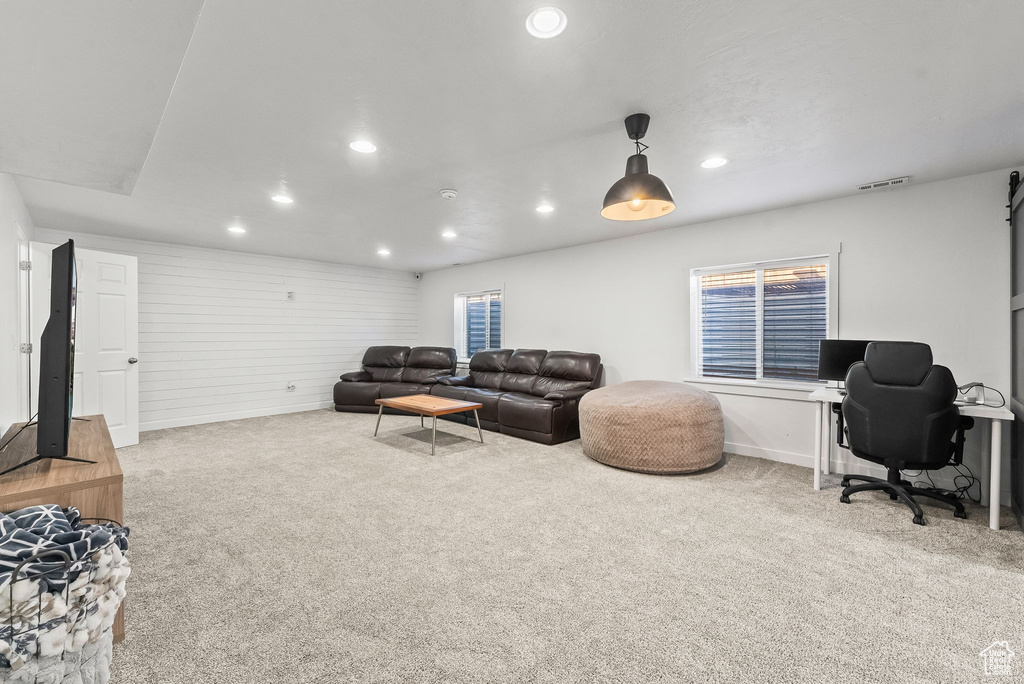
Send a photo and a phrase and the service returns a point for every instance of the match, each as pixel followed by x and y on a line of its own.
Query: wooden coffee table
pixel 427 405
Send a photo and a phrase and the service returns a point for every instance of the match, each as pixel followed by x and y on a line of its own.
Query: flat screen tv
pixel 57 356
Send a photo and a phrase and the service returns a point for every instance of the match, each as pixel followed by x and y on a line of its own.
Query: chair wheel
pixel 919 520
pixel 960 514
pixel 844 498
pixel 846 482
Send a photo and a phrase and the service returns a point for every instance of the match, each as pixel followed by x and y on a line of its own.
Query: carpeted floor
pixel 298 548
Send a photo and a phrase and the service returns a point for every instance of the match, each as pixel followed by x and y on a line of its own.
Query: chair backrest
pixel 385 363
pixel 899 407
pixel 429 362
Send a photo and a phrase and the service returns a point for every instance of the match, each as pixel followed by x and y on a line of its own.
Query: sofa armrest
pixel 456 380
pixel 566 395
pixel 356 376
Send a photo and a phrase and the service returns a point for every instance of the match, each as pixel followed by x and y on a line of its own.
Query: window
pixel 761 321
pixel 477 322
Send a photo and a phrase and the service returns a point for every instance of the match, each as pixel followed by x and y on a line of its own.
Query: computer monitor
pixel 836 356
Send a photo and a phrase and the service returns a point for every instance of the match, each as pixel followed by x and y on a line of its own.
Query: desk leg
pixel 826 434
pixel 996 469
pixel 817 445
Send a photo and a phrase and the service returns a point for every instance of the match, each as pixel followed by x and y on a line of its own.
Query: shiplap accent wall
pixel 218 338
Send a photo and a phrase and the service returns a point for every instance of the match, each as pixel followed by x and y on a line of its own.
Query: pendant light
pixel 638 195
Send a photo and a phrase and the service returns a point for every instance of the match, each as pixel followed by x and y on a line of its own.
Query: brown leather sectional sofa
pixel 392 372
pixel 529 393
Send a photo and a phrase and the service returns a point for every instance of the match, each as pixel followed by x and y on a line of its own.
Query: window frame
pixel 831 259
pixel 500 291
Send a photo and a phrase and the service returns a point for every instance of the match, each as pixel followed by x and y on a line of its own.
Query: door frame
pixel 24 326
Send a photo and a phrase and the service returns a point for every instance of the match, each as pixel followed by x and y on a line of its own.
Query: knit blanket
pixel 56 606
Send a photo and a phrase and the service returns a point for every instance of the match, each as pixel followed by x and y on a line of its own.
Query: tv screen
pixel 57 356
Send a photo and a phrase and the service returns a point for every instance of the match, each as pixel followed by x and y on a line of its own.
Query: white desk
pixel 826 396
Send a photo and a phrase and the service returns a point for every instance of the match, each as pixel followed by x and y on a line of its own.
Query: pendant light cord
pixel 640 147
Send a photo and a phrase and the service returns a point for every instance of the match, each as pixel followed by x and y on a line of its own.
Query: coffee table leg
pixel 421 420
pixel 433 436
pixel 478 430
pixel 379 414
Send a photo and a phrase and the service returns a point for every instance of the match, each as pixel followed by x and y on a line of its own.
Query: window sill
pixel 793 391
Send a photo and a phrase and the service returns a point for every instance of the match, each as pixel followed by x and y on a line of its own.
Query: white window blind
pixel 477 322
pixel 762 321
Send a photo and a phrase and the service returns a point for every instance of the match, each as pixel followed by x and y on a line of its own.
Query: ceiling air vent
pixel 891 182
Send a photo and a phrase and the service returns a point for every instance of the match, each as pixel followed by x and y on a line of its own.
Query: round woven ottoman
pixel 652 427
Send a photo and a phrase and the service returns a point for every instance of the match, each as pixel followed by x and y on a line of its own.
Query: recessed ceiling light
pixel 714 162
pixel 364 146
pixel 545 208
pixel 546 22
pixel 450 234
pixel 281 198
pixel 384 251
pixel 236 229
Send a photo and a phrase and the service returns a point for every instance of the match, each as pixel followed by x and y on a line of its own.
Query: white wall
pixel 929 262
pixel 12 216
pixel 218 339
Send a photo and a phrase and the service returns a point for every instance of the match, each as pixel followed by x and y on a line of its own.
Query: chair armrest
pixel 966 423
pixel 456 380
pixel 356 376
pixel 566 395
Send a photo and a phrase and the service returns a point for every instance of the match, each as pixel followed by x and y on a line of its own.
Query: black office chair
pixel 899 412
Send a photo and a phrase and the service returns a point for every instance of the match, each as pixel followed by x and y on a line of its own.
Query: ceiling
pixel 807 100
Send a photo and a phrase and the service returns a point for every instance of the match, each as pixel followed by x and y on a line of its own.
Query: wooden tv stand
pixel 92 488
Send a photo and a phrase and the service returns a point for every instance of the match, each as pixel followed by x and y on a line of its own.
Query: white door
pixel 106 336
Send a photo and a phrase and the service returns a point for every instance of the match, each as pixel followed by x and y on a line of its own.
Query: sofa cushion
pixel 525 411
pixel 384 374
pixel 486 367
pixel 402 389
pixel 570 365
pixel 356 393
pixel 448 391
pixel 521 370
pixel 545 385
pixel 426 364
pixel 386 357
pixel 488 398
pixel 566 370
pixel 526 361
pixel 385 364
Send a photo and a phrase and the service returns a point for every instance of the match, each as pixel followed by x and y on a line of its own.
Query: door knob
pixel 133 360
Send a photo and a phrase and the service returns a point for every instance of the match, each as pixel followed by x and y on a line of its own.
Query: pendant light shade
pixel 638 195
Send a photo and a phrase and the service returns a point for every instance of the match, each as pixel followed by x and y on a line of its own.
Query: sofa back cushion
pixel 429 362
pixel 522 369
pixel 566 370
pixel 385 363
pixel 487 367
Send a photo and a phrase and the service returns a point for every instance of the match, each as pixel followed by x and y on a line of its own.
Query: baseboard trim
pixel 847 465
pixel 231 415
